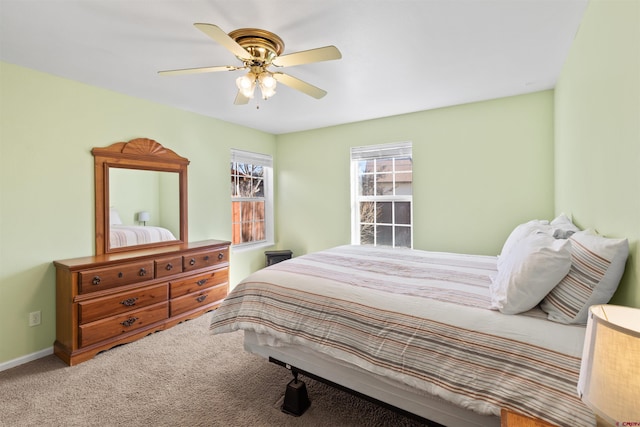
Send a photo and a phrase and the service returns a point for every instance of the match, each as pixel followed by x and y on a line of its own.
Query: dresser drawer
pixel 111 277
pixel 205 259
pixel 195 283
pixel 103 329
pixel 168 266
pixel 198 299
pixel 100 308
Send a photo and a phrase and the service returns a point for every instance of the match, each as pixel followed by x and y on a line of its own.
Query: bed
pixel 130 235
pixel 424 331
pixel 121 235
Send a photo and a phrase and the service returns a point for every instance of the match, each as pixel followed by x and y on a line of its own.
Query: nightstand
pixel 513 419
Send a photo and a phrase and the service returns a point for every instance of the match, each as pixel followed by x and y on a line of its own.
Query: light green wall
pixel 598 130
pixel 48 127
pixel 479 170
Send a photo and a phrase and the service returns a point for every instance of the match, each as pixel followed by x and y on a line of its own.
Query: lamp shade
pixel 143 216
pixel 609 380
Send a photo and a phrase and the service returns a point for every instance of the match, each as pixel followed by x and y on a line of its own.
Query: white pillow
pixel 563 227
pixel 597 265
pixel 520 232
pixel 114 217
pixel 534 266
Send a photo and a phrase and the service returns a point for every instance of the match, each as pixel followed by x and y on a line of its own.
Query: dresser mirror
pixel 141 196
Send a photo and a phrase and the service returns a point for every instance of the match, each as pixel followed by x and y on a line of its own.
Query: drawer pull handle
pixel 206 258
pixel 169 267
pixel 130 321
pixel 201 298
pixel 96 280
pixel 220 255
pixel 129 301
pixel 120 274
pixel 192 261
pixel 142 272
pixel 201 282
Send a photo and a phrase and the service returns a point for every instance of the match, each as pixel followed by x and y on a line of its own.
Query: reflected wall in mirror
pixel 141 196
pixel 143 207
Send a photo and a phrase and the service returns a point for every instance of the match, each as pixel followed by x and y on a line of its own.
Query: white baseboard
pixel 24 359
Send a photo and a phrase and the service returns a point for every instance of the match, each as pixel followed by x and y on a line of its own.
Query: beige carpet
pixel 183 376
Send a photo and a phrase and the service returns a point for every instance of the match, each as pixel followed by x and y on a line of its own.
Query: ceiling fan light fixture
pixel 246 84
pixel 267 85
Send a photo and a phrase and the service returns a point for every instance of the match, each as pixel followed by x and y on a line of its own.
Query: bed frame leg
pixel 296 399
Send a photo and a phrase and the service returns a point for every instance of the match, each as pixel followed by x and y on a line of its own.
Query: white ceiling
pixel 398 56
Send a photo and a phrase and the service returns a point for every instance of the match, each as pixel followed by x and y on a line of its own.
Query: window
pixel 251 198
pixel 381 188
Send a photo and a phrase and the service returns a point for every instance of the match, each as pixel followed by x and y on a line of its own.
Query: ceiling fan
pixel 258 50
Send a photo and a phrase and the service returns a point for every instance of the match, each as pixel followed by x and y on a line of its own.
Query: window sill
pixel 251 247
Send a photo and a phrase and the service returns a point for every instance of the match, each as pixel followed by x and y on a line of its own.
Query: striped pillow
pixel 597 264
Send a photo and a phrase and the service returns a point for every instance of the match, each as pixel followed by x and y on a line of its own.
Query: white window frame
pixel 370 152
pixel 266 161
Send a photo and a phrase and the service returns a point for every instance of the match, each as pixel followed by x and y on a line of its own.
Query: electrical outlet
pixel 34 318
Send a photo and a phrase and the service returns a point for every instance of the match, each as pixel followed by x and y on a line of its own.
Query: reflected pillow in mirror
pixel 114 217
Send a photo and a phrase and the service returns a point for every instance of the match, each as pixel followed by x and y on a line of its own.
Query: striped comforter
pixel 421 318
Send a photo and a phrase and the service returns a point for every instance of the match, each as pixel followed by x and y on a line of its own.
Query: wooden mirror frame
pixel 143 154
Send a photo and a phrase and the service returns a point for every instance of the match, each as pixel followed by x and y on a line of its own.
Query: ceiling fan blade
pixel 217 34
pixel 241 99
pixel 300 85
pixel 327 53
pixel 199 70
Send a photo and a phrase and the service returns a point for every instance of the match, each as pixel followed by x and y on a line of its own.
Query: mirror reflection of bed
pixel 132 193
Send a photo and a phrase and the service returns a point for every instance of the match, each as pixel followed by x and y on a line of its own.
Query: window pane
pixel 233 185
pixel 366 234
pixel 247 231
pixel 244 186
pixel 259 230
pixel 403 164
pixel 384 183
pixel 384 235
pixel 403 213
pixel 235 211
pixel 403 237
pixel 257 171
pixel 365 185
pixel 259 211
pixel 384 165
pixel 258 187
pixel 367 212
pixel 404 188
pixel 366 166
pixel 246 211
pixel 404 177
pixel 384 212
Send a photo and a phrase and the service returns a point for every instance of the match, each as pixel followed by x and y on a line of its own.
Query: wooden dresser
pixel 111 299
